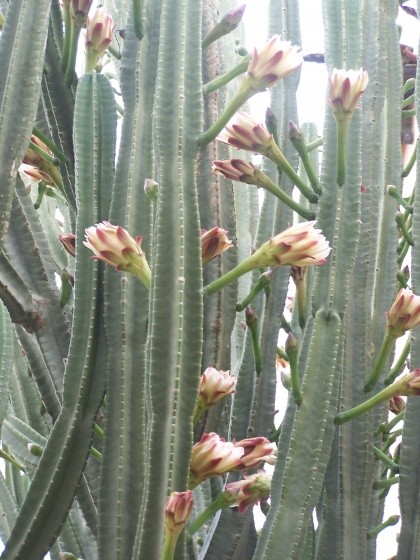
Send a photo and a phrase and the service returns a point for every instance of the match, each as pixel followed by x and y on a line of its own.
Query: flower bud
pixel 80 8
pixel 69 243
pixel 99 30
pixel 32 173
pixel 253 489
pixel 213 455
pixel 244 133
pixel 151 189
pixel 404 314
pixel 275 60
pixel 256 450
pixel 409 384
pixel 177 510
pixel 214 242
pixel 300 245
pixel 114 246
pixel 396 404
pixel 33 158
pixel 214 385
pixel 236 170
pixel 346 87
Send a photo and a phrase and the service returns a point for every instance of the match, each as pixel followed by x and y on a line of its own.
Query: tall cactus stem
pixel 384 352
pixel 138 19
pixel 342 126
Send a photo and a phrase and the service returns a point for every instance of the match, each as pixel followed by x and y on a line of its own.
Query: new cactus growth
pixel 138 378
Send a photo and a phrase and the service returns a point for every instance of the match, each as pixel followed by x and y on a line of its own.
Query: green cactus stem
pixel 223 500
pixel 263 281
pixel 252 324
pixel 392 520
pixel 395 193
pixel 314 144
pixel 138 18
pixel 224 79
pixel 410 164
pixel 392 465
pixel 296 137
pixel 384 352
pixel 292 352
pixel 386 484
pixel 342 126
pixel 404 228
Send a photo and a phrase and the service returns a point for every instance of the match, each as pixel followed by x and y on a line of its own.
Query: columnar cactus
pixel 138 382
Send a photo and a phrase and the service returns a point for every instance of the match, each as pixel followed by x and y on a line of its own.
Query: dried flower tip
pixel 80 8
pixel 114 246
pixel 214 242
pixel 250 491
pixel 346 87
pixel 69 243
pixel 244 133
pixel 404 314
pixel 256 450
pixel 177 510
pixel 236 170
pixel 213 455
pixel 300 245
pixel 34 159
pixel 34 175
pixel 214 385
pixel 396 404
pixel 275 60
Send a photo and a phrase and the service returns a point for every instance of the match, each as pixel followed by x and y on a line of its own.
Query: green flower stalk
pixel 114 246
pixel 408 385
pixel 214 242
pixel 346 87
pixel 262 283
pixel 214 386
pixel 292 352
pixel 227 24
pixel 300 245
pixel 298 274
pixel 240 170
pixel 244 133
pixel 275 60
pixel 252 324
pixel 99 30
pixel 298 141
pixel 177 511
pixel 404 315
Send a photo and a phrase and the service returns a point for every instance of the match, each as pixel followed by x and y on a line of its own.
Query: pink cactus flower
pixel 346 87
pixel 404 314
pixel 214 385
pixel 236 170
pixel 244 133
pixel 256 450
pixel 177 510
pixel 214 242
pixel 250 491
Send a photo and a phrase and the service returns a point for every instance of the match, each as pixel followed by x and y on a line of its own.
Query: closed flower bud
pixel 300 245
pixel 346 87
pixel 114 246
pixel 69 243
pixel 177 510
pixel 404 313
pixel 151 189
pixel 213 455
pixel 253 489
pixel 244 133
pixel 275 60
pixel 214 385
pixel 236 170
pixel 214 242
pixel 32 173
pixel 409 384
pixel 33 158
pixel 256 450
pixel 80 8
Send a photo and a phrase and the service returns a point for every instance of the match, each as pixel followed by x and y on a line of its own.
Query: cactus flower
pixel 244 133
pixel 69 243
pixel 256 450
pixel 33 158
pixel 300 245
pixel 214 242
pixel 213 455
pixel 114 246
pixel 99 30
pixel 249 491
pixel 214 385
pixel 396 404
pixel 404 314
pixel 80 8
pixel 34 174
pixel 275 60
pixel 346 87
pixel 177 510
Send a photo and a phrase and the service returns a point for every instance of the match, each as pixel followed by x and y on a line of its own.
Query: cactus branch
pixel 384 352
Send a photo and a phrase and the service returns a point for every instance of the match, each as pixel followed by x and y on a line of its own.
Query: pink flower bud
pixel 214 385
pixel 253 489
pixel 34 174
pixel 404 314
pixel 346 87
pixel 396 404
pixel 275 60
pixel 237 170
pixel 409 384
pixel 300 245
pixel 213 455
pixel 214 242
pixel 256 450
pixel 244 133
pixel 33 158
pixel 177 510
pixel 69 243
pixel 114 246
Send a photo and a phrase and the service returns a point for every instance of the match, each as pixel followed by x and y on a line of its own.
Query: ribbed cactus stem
pixel 138 18
pixel 342 126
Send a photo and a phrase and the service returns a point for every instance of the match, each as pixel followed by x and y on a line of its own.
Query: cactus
pixel 144 280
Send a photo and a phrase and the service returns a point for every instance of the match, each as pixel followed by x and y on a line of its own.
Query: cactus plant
pixel 138 383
